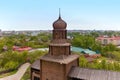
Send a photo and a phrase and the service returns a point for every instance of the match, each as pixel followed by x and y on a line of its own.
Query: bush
pixel 11 65
pixel 35 55
pixel 83 61
pixel 2 69
pixel 12 59
pixel 100 64
pixel 113 55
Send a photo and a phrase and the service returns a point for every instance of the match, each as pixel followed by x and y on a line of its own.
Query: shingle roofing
pixel 91 74
pixel 62 59
pixel 36 65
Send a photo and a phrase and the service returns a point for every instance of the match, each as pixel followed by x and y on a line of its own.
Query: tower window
pixel 36 78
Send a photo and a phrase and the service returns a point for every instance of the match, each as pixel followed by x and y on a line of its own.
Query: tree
pixel 83 61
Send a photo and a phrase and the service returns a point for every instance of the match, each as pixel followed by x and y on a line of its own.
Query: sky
pixel 40 14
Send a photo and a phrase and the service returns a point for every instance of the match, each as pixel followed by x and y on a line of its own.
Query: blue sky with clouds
pixel 79 14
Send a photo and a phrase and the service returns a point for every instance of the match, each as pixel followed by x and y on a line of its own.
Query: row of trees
pixel 12 59
pixel 88 41
pixel 110 51
pixel 38 41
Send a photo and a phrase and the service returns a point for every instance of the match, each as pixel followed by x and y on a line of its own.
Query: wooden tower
pixel 57 63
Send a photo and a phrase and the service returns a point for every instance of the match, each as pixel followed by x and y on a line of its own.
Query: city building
pixel 104 40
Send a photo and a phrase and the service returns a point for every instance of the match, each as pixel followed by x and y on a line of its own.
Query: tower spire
pixel 59 14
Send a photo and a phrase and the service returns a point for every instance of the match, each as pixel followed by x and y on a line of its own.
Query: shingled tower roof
pixel 59 23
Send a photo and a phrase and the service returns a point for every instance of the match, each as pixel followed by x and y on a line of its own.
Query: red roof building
pixel 115 40
pixel 20 49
